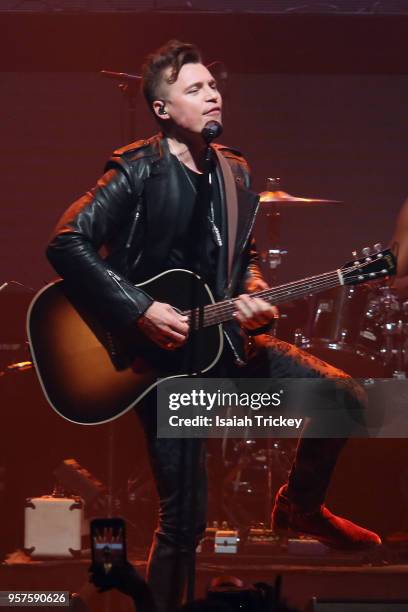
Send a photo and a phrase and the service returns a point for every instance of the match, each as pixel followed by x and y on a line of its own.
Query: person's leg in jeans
pixel 299 504
pixel 179 469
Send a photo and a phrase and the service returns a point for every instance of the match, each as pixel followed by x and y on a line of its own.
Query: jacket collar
pixel 164 202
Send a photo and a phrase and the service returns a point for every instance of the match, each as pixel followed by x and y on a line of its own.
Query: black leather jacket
pixel 120 232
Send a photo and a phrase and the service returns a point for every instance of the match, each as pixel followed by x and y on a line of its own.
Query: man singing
pixel 143 211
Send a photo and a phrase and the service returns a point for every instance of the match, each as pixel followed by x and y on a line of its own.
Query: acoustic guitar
pixel 89 377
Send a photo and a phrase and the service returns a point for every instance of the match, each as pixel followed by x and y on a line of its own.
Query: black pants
pixel 179 466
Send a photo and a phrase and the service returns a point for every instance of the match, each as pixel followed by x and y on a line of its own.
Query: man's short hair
pixel 174 54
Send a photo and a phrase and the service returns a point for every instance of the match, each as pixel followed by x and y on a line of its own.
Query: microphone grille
pixel 211 130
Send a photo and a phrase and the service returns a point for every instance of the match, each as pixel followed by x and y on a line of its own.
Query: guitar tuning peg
pixel 366 251
pixel 354 254
pixel 378 247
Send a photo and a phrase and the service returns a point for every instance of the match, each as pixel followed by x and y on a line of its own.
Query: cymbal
pixel 281 200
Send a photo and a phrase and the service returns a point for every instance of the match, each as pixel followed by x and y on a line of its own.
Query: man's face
pixel 192 100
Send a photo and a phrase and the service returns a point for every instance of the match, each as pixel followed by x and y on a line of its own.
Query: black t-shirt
pixel 193 239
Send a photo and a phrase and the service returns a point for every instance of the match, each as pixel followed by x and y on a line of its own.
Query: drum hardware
pixel 21 366
pixel 340 332
pixel 15 298
pixel 388 314
pixel 253 474
pixel 358 329
pixel 276 199
pixel 363 330
pixel 281 200
pixel 273 257
pixel 272 202
pixel 299 339
pixel 399 375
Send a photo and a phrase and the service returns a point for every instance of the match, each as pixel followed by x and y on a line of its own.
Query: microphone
pixel 211 130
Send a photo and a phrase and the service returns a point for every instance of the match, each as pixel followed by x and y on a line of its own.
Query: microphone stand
pixel 204 195
pixel 129 85
pixel 212 130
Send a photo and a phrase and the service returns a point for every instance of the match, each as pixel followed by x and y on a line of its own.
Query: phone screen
pixel 108 542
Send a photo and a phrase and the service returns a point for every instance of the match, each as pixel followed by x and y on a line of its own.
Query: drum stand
pixel 276 462
pixel 273 255
pixel 394 331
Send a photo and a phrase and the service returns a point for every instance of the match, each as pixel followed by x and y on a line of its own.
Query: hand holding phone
pixel 108 542
pixel 110 568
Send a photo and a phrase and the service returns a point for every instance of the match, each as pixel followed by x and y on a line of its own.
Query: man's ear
pixel 159 108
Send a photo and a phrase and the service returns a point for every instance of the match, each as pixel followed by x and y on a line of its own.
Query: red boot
pixel 334 531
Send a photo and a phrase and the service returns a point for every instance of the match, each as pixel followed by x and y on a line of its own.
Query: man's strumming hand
pixel 164 325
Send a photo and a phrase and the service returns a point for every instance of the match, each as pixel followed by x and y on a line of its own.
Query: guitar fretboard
pixel 214 314
pixel 357 272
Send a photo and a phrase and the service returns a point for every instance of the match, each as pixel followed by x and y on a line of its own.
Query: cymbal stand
pixel 273 255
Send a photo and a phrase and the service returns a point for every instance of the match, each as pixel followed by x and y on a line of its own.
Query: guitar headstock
pixel 374 264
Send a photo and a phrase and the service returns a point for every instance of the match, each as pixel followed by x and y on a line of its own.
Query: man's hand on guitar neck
pixel 253 313
pixel 164 326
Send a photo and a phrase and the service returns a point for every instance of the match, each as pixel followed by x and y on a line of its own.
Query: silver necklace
pixel 211 217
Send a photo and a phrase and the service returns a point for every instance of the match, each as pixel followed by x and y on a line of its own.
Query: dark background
pixel 319 101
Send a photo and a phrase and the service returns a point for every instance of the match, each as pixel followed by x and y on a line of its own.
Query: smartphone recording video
pixel 108 542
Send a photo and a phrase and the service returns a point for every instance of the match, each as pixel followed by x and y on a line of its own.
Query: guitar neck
pixel 214 314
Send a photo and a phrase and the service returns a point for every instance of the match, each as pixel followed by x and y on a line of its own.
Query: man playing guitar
pixel 143 211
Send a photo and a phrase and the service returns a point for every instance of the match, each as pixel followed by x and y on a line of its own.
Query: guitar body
pixel 79 377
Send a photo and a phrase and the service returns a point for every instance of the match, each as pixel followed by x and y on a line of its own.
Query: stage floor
pixel 330 577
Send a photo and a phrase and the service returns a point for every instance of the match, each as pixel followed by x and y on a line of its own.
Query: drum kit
pixel 361 329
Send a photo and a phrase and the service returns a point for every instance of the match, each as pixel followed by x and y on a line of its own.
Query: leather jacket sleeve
pixel 253 276
pixel 74 251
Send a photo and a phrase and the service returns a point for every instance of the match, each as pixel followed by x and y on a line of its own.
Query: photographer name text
pixel 256 420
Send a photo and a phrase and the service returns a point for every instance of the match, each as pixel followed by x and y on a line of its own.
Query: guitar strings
pixel 316 281
pixel 290 290
pixel 278 297
pixel 222 311
pixel 215 313
pixel 294 290
pixel 220 316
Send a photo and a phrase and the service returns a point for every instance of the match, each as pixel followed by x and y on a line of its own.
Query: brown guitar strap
pixel 232 205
